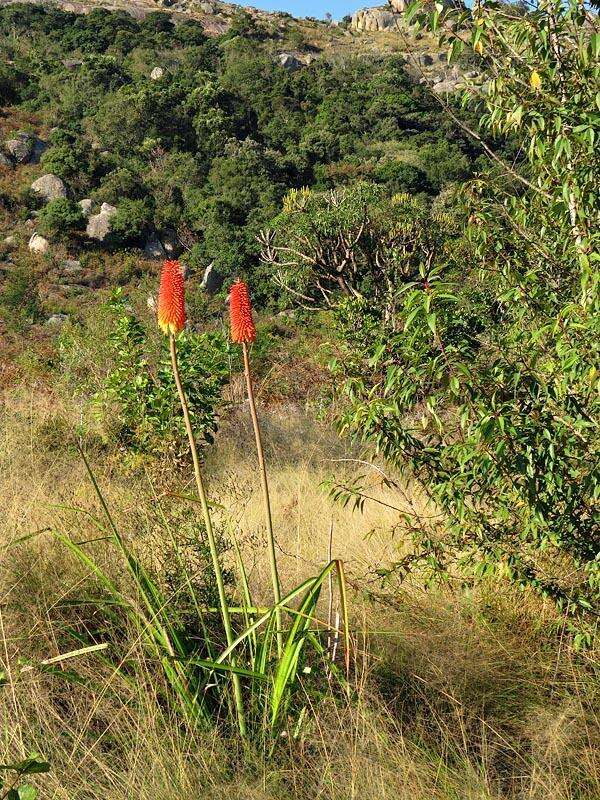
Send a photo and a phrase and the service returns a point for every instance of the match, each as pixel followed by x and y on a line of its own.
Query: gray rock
pixel 98 226
pixel 71 266
pixel 171 244
pixel 153 248
pixel 374 19
pixel 207 8
pixel 50 187
pixel 86 206
pixel 5 161
pixel 10 241
pixel 72 63
pixel 20 147
pixel 157 73
pixel 425 60
pixel 446 87
pixel 289 61
pixel 399 6
pixel 57 319
pixel 37 244
pixel 211 280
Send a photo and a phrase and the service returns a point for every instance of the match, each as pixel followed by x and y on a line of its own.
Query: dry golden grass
pixel 456 696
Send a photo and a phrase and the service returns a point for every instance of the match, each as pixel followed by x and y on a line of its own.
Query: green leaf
pixel 29 766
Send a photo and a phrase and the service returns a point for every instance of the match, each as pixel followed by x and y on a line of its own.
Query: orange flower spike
pixel 242 324
pixel 171 298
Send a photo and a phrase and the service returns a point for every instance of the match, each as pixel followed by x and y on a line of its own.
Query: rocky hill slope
pixel 381 29
pixel 128 137
pixel 387 22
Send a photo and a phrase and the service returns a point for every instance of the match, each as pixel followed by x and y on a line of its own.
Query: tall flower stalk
pixel 171 320
pixel 243 332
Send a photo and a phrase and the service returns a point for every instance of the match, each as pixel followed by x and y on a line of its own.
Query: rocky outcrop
pixel 50 187
pixel 98 226
pixel 20 147
pixel 211 280
pixel 71 266
pixel 153 248
pixel 86 206
pixel 289 61
pixel 171 244
pixel 57 319
pixel 37 244
pixel 375 19
pixel 424 59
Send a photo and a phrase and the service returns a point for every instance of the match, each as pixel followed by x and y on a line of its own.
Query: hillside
pixel 114 154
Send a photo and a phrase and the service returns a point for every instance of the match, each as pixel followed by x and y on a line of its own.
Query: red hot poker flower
pixel 242 325
pixel 171 298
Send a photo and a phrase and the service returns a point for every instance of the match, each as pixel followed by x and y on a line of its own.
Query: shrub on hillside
pixel 138 400
pixel 59 218
pixel 131 221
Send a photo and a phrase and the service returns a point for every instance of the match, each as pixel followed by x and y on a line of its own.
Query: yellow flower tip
pixel 171 299
pixel 478 47
pixel 535 80
pixel 168 327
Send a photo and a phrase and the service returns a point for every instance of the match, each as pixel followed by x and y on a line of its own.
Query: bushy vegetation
pixel 60 218
pixel 136 401
pixel 211 148
pixel 470 362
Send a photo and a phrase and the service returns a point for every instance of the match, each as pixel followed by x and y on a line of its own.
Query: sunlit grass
pixel 453 696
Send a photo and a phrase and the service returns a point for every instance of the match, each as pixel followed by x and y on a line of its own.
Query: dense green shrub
pixel 138 401
pixel 401 177
pixel 59 218
pixel 131 220
pixel 12 81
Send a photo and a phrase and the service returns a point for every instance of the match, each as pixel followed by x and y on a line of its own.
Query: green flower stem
pixel 266 498
pixel 237 688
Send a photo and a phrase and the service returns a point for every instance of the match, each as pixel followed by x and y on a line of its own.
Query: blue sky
pixel 314 8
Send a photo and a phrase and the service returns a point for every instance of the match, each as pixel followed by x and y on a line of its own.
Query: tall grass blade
pixel 341 576
pixel 288 663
